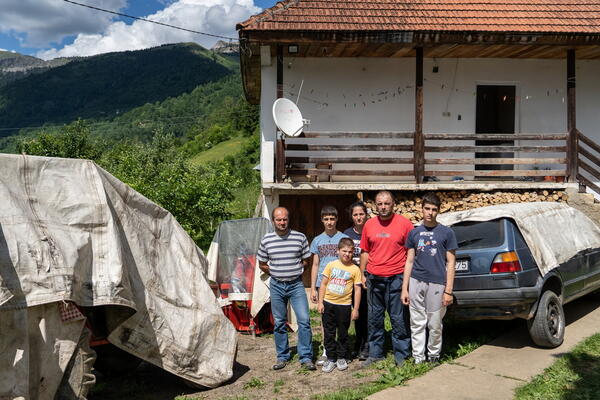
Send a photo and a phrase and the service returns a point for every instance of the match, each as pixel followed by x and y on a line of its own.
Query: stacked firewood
pixel 409 205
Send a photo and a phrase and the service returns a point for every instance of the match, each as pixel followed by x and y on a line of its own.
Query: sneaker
pixel 419 361
pixel 341 364
pixel 280 364
pixel 308 365
pixel 329 366
pixel 369 361
pixel 400 363
pixel 321 361
pixel 433 360
pixel 363 355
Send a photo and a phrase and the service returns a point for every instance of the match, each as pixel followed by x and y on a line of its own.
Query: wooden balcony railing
pixel 588 160
pixel 497 155
pixel 325 154
pixel 319 156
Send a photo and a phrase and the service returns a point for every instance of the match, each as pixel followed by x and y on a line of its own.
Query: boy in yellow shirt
pixel 340 279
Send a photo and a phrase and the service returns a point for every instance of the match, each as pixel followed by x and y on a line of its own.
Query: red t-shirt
pixel 384 241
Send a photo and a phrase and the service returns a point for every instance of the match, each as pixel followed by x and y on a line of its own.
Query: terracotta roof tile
pixel 564 16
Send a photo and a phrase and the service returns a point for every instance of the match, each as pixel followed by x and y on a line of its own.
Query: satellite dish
pixel 287 117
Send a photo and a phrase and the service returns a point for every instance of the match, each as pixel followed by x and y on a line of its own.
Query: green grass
pixel 244 202
pixel 575 376
pixel 277 385
pixel 219 151
pixel 254 383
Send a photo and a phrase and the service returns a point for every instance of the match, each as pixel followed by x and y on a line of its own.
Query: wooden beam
pixel 280 144
pixel 419 140
pixel 589 142
pixel 587 167
pixel 494 161
pixel 589 156
pixel 494 136
pixel 583 180
pixel 351 147
pixel 415 38
pixel 371 135
pixel 503 172
pixel 349 172
pixel 494 149
pixel 571 118
pixel 350 160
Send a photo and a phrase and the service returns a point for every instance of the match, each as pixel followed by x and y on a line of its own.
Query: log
pixel 409 204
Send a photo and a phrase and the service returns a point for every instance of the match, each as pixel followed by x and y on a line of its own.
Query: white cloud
pixel 39 23
pixel 213 16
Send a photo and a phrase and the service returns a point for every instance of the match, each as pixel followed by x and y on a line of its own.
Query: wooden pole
pixel 280 150
pixel 572 166
pixel 419 140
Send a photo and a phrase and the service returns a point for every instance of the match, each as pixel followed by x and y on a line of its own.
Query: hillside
pixel 15 66
pixel 108 85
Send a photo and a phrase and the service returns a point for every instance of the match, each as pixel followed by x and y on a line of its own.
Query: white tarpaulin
pixel 234 241
pixel 71 231
pixel 554 232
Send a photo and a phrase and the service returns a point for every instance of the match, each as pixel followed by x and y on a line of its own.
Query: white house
pixel 499 93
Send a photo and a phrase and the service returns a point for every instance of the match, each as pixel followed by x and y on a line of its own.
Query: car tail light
pixel 506 262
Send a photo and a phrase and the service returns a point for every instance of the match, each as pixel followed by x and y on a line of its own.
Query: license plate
pixel 461 265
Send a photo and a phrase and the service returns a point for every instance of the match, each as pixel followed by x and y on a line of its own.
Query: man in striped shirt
pixel 283 255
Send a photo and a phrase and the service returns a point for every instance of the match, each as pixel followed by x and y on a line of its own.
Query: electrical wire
pixel 151 21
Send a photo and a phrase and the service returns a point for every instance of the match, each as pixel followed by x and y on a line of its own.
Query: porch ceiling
pixel 449 50
pixel 526 48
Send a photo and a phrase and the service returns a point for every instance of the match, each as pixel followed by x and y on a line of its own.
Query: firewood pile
pixel 409 205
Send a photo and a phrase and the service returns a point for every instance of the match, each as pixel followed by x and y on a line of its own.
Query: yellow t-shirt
pixel 342 278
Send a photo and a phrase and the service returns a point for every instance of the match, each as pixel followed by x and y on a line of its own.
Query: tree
pixel 198 197
pixel 72 141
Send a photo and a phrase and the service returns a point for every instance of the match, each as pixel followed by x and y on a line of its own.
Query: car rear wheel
pixel 547 327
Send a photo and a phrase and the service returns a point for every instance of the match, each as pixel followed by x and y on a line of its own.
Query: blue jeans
pixel 281 293
pixel 384 294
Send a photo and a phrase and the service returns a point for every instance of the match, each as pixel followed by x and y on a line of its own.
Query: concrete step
pixel 586 203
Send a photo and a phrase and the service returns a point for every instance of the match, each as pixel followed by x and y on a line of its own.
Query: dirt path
pixel 253 377
pixel 256 380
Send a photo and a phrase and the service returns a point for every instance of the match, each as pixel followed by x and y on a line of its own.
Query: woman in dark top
pixel 358 213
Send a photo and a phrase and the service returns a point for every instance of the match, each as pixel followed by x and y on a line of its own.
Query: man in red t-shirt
pixel 383 257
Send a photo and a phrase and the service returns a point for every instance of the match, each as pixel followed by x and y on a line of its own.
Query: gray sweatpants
pixel 426 311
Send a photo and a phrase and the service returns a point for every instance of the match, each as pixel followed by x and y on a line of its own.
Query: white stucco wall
pixel 377 94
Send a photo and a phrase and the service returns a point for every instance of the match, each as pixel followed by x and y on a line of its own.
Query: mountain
pixel 15 66
pixel 107 85
pixel 224 47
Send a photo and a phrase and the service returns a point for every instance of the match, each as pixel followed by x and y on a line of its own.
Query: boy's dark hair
pixel 345 242
pixel 329 210
pixel 431 198
pixel 356 204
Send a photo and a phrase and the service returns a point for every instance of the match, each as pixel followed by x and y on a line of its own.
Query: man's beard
pixel 386 214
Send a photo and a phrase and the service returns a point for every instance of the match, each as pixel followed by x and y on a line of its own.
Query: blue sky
pixel 54 28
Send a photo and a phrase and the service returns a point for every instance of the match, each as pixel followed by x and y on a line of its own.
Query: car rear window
pixel 478 235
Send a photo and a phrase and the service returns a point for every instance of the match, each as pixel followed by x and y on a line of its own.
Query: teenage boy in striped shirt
pixel 283 255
